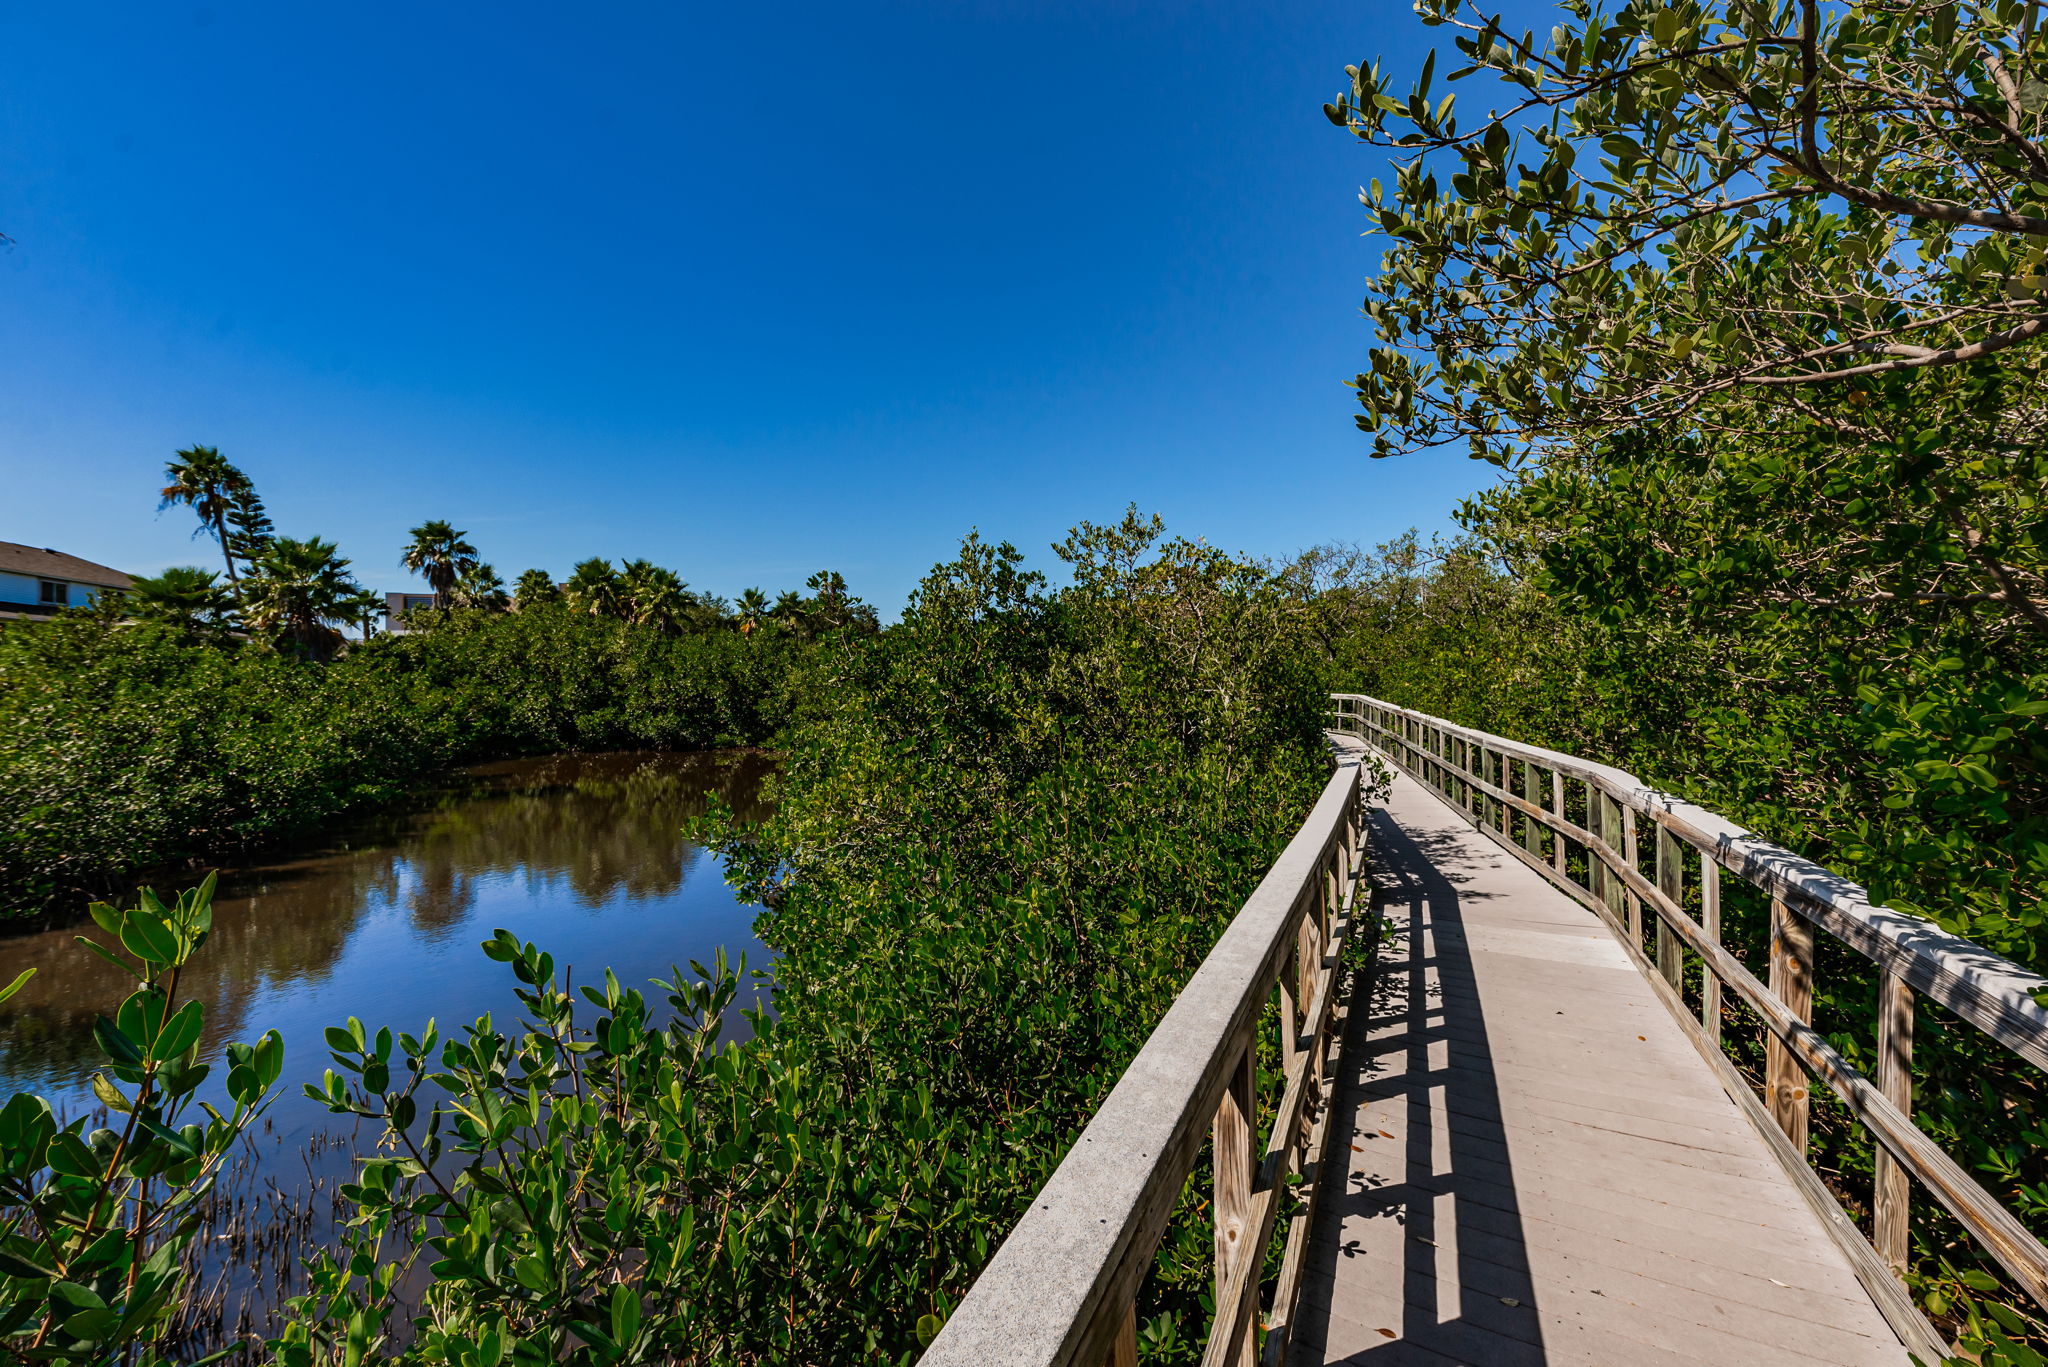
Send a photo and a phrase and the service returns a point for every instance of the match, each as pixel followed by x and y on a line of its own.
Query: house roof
pixel 44 563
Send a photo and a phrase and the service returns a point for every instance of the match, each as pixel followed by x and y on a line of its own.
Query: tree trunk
pixel 220 526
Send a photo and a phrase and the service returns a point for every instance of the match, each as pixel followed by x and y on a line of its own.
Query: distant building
pixel 36 581
pixel 398 605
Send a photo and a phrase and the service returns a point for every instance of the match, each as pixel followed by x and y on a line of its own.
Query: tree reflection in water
pixel 553 843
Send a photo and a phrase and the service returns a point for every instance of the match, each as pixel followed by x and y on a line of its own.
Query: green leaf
pixel 626 1311
pixel 16 985
pixel 108 1093
pixel 180 1032
pixel 149 938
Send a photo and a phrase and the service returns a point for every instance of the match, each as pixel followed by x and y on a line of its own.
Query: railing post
pixel 1532 829
pixel 1670 882
pixel 1710 921
pixel 1792 983
pixel 1231 1157
pixel 1628 856
pixel 1608 828
pixel 1290 1012
pixel 1557 837
pixel 1123 1349
pixel 1892 1203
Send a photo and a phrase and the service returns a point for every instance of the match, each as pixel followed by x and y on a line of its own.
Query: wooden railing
pixel 1062 1288
pixel 1522 795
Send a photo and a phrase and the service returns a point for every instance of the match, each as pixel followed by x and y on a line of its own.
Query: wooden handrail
pixel 1062 1288
pixel 1472 771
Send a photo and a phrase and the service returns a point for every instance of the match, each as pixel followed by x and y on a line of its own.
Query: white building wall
pixel 28 588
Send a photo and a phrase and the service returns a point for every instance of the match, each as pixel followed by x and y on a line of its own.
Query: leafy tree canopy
pixel 1731 214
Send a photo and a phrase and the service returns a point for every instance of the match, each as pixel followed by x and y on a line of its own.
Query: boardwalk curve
pixel 1513 1136
pixel 1530 1166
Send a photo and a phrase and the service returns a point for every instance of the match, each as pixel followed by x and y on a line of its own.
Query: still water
pixel 582 854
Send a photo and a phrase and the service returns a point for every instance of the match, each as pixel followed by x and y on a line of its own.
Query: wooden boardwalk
pixel 1540 1168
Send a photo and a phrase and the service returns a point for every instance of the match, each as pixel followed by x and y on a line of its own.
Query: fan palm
pixel 752 610
pixel 184 597
pixel 296 589
pixel 438 554
pixel 651 596
pixel 533 588
pixel 201 478
pixel 593 588
pixel 360 609
pixel 478 586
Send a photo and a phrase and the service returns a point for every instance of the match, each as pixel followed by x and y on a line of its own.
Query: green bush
pixel 131 746
pixel 1008 830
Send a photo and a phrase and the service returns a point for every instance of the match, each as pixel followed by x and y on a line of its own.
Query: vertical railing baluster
pixel 1710 921
pixel 1596 822
pixel 1670 882
pixel 1123 1349
pixel 1892 1203
pixel 1628 860
pixel 1290 1012
pixel 1231 1158
pixel 1532 829
pixel 1557 837
pixel 1792 983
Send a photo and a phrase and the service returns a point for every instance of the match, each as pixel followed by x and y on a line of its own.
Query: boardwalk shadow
pixel 1417 1115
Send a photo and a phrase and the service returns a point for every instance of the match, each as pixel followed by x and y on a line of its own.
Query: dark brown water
pixel 582 854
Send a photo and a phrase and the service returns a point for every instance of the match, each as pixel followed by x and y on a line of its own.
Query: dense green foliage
pixel 1804 735
pixel 125 746
pixel 97 1216
pixel 1728 215
pixel 1748 299
pixel 1009 829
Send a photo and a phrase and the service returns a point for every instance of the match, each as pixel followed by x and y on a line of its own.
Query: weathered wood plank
pixel 1710 926
pixel 1459 1110
pixel 2001 1234
pixel 1792 984
pixel 1230 1154
pixel 1057 1289
pixel 1991 992
pixel 1892 1200
pixel 1670 882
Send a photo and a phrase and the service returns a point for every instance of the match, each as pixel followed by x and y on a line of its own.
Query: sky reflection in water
pixel 582 854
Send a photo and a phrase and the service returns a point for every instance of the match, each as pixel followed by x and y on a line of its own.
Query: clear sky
pixel 749 290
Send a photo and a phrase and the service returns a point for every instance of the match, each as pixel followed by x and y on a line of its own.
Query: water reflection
pixel 580 853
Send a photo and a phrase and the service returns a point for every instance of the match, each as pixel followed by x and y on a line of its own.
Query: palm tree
pixel 593 588
pixel 184 597
pixel 361 608
pixel 791 611
pixel 534 588
pixel 438 554
pixel 202 478
pixel 651 596
pixel 478 586
pixel 295 589
pixel 753 608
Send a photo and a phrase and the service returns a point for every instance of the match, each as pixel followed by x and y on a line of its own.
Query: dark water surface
pixel 582 854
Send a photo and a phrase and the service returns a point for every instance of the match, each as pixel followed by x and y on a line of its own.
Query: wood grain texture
pixel 1892 1199
pixel 1792 983
pixel 1504 1201
pixel 1994 1226
pixel 1230 1167
pixel 1986 989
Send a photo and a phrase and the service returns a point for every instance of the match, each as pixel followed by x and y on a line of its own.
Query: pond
pixel 582 854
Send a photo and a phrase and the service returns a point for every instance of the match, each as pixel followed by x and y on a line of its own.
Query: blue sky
pixel 746 290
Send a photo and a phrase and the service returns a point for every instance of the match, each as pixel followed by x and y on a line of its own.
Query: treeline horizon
pixel 296 593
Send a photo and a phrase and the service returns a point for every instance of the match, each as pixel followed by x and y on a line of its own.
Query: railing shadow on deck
pixel 1590 830
pixel 1421 986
